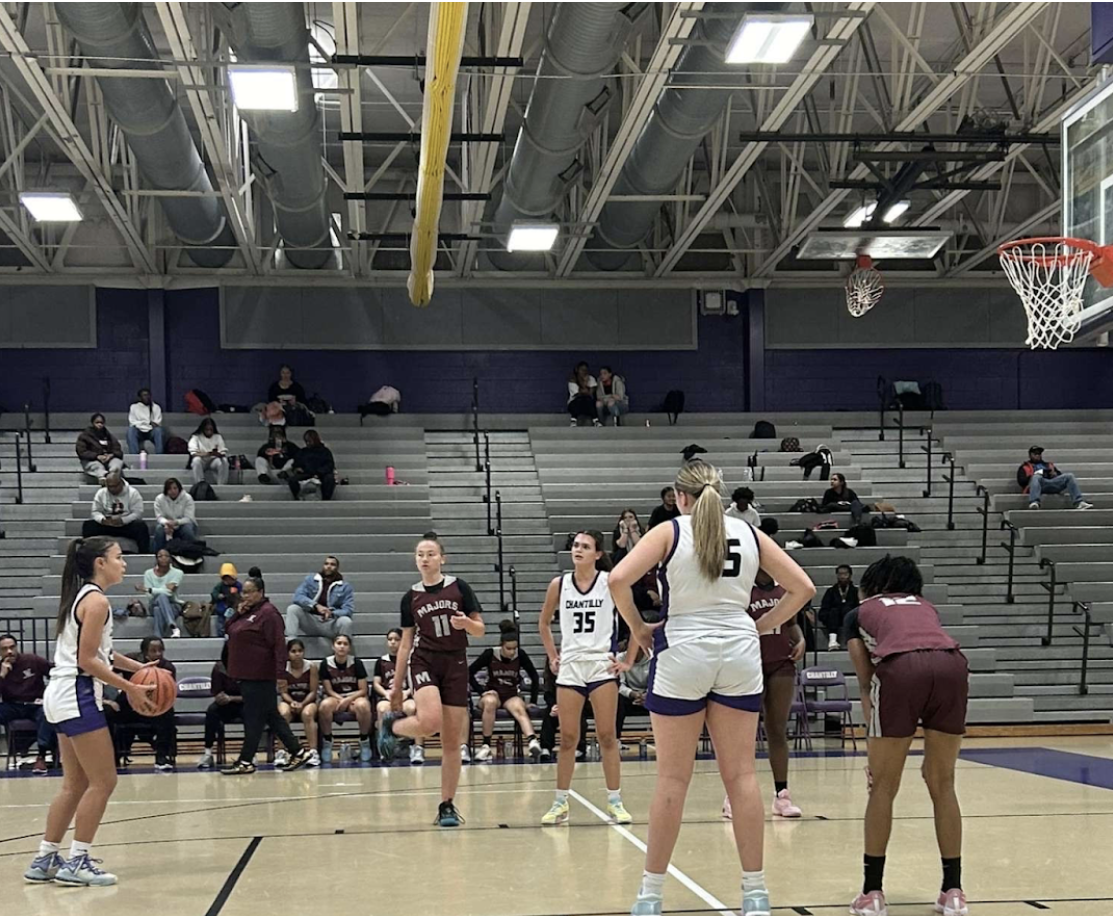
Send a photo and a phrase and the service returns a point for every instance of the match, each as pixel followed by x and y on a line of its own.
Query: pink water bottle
pixel 390 474
pixel 142 459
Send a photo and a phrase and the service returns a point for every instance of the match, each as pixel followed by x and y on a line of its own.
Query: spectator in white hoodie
pixel 118 513
pixel 207 452
pixel 742 507
pixel 175 513
pixel 144 423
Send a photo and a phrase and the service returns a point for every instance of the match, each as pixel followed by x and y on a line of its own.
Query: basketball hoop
pixel 863 287
pixel 1049 274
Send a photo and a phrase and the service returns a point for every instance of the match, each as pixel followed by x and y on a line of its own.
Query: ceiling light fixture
pixel 896 211
pixel 270 87
pixel 532 237
pixel 859 215
pixel 768 38
pixel 51 206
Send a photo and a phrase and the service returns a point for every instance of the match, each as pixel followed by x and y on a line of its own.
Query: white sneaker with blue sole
pixel 83 871
pixel 44 869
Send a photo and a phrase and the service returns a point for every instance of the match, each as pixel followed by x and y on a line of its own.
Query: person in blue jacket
pixel 323 605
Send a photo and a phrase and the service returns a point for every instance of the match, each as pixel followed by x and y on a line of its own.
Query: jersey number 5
pixel 732 566
pixel 585 621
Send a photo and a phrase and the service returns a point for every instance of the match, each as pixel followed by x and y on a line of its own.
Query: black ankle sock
pixel 874 872
pixel 364 737
pixel 486 741
pixel 531 738
pixel 779 786
pixel 326 737
pixel 952 873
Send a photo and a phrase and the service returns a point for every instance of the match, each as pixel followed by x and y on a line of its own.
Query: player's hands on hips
pixel 459 621
pixel 798 650
pixel 643 635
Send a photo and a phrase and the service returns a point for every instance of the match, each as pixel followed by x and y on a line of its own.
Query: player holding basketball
pixel 706 665
pixel 438 614
pixel 73 703
pixel 585 668
pixel 780 649
pixel 910 672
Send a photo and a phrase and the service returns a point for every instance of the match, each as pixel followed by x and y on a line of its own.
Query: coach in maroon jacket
pixel 257 660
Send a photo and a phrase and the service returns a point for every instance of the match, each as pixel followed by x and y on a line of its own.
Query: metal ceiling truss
pixel 345 20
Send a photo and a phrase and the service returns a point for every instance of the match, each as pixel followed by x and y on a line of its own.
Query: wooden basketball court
pixel 353 841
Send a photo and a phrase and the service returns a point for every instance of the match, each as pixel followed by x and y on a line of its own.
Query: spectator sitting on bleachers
pixel 175 514
pixel 314 461
pixel 161 584
pixel 144 423
pixel 634 683
pixel 838 602
pixel 611 400
pixel 1037 477
pixel 207 451
pixel 627 532
pixel 741 507
pixel 382 681
pixel 276 457
pixel 647 597
pixel 299 699
pixel 581 396
pixel 118 513
pixel 344 690
pixel 285 390
pixel 22 683
pixel 840 498
pixel 504 667
pixel 227 706
pixel 160 731
pixel 226 596
pixel 99 451
pixel 323 605
pixel 668 509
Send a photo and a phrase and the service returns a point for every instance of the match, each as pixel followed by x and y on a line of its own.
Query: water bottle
pixel 390 474
pixel 647 422
pixel 142 459
pixel 345 753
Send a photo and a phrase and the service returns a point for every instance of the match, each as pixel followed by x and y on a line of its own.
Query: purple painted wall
pixel 714 377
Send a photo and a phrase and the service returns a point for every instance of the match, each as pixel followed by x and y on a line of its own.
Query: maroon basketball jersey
pixel 385 668
pixel 297 687
pixel 776 647
pixel 504 676
pixel 891 623
pixel 344 677
pixel 429 610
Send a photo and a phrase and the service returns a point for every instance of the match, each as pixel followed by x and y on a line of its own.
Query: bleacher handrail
pixel 1084 607
pixel 949 457
pixel 500 566
pixel 475 419
pixel 928 449
pixel 1050 586
pixel 1010 548
pixel 46 409
pixel 981 491
pixel 487 475
pixel 27 430
pixel 19 467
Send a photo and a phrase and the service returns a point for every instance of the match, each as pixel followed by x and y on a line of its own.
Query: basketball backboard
pixel 1087 151
pixel 879 244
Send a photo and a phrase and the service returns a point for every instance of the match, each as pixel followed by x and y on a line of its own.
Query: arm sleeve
pixel 115 448
pixel 471 603
pixel 303 595
pixel 160 510
pixel 347 604
pixel 850 629
pixel 276 634
pixel 98 513
pixel 531 671
pixel 156 414
pixel 322 672
pixel 361 670
pixel 407 610
pixel 135 507
pixel 216 681
pixel 480 662
pixel 189 508
pixel 133 415
pixel 828 601
pixel 84 452
pixel 194 445
pixel 377 672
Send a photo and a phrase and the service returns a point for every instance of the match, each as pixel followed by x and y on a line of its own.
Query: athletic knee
pixel 569 739
pixel 489 702
pixel 608 739
pixel 939 781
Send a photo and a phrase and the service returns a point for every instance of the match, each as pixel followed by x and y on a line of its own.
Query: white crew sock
pixel 614 797
pixel 561 797
pixel 753 880
pixel 49 847
pixel 79 848
pixel 653 884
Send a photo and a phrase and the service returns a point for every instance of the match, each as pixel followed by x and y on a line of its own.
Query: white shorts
pixel 684 677
pixel 585 676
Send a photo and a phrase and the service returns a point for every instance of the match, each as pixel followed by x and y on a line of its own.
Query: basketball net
pixel 863 288
pixel 1049 274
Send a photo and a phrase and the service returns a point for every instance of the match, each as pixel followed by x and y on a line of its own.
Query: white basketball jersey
pixel 588 621
pixel 695 607
pixel 65 647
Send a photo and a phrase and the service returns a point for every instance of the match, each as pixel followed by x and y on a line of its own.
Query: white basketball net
pixel 1049 278
pixel 863 290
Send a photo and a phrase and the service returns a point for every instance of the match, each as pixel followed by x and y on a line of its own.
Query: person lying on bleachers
pixel 118 513
pixel 323 604
pixel 175 514
pixel 1037 477
pixel 99 451
pixel 208 452
pixel 144 423
pixel 315 461
pixel 275 458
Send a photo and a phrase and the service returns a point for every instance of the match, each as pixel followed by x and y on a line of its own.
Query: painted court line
pixel 720 907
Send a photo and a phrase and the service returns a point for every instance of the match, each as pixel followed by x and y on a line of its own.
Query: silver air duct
pixel 569 96
pixel 680 120
pixel 288 143
pixel 115 35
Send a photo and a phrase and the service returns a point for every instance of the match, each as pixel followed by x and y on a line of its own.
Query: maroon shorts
pixel 505 694
pixel 776 669
pixel 447 671
pixel 921 687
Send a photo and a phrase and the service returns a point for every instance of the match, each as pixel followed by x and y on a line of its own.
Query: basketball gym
pixel 879 227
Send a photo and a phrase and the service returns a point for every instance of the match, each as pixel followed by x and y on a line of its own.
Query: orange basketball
pixel 166 689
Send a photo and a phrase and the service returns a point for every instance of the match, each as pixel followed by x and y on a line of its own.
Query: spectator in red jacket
pixel 257 660
pixel 1037 478
pixel 22 683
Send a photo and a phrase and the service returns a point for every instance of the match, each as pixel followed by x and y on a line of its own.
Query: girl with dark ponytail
pixel 503 689
pixel 73 703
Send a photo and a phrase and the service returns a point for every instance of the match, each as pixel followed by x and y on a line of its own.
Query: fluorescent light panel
pixel 859 215
pixel 266 88
pixel 532 237
pixel 768 38
pixel 896 211
pixel 51 207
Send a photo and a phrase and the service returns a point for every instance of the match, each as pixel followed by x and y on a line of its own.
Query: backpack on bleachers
pixel 674 404
pixel 790 445
pixel 176 446
pixel 198 402
pixel 764 430
pixel 805 505
pixel 203 491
